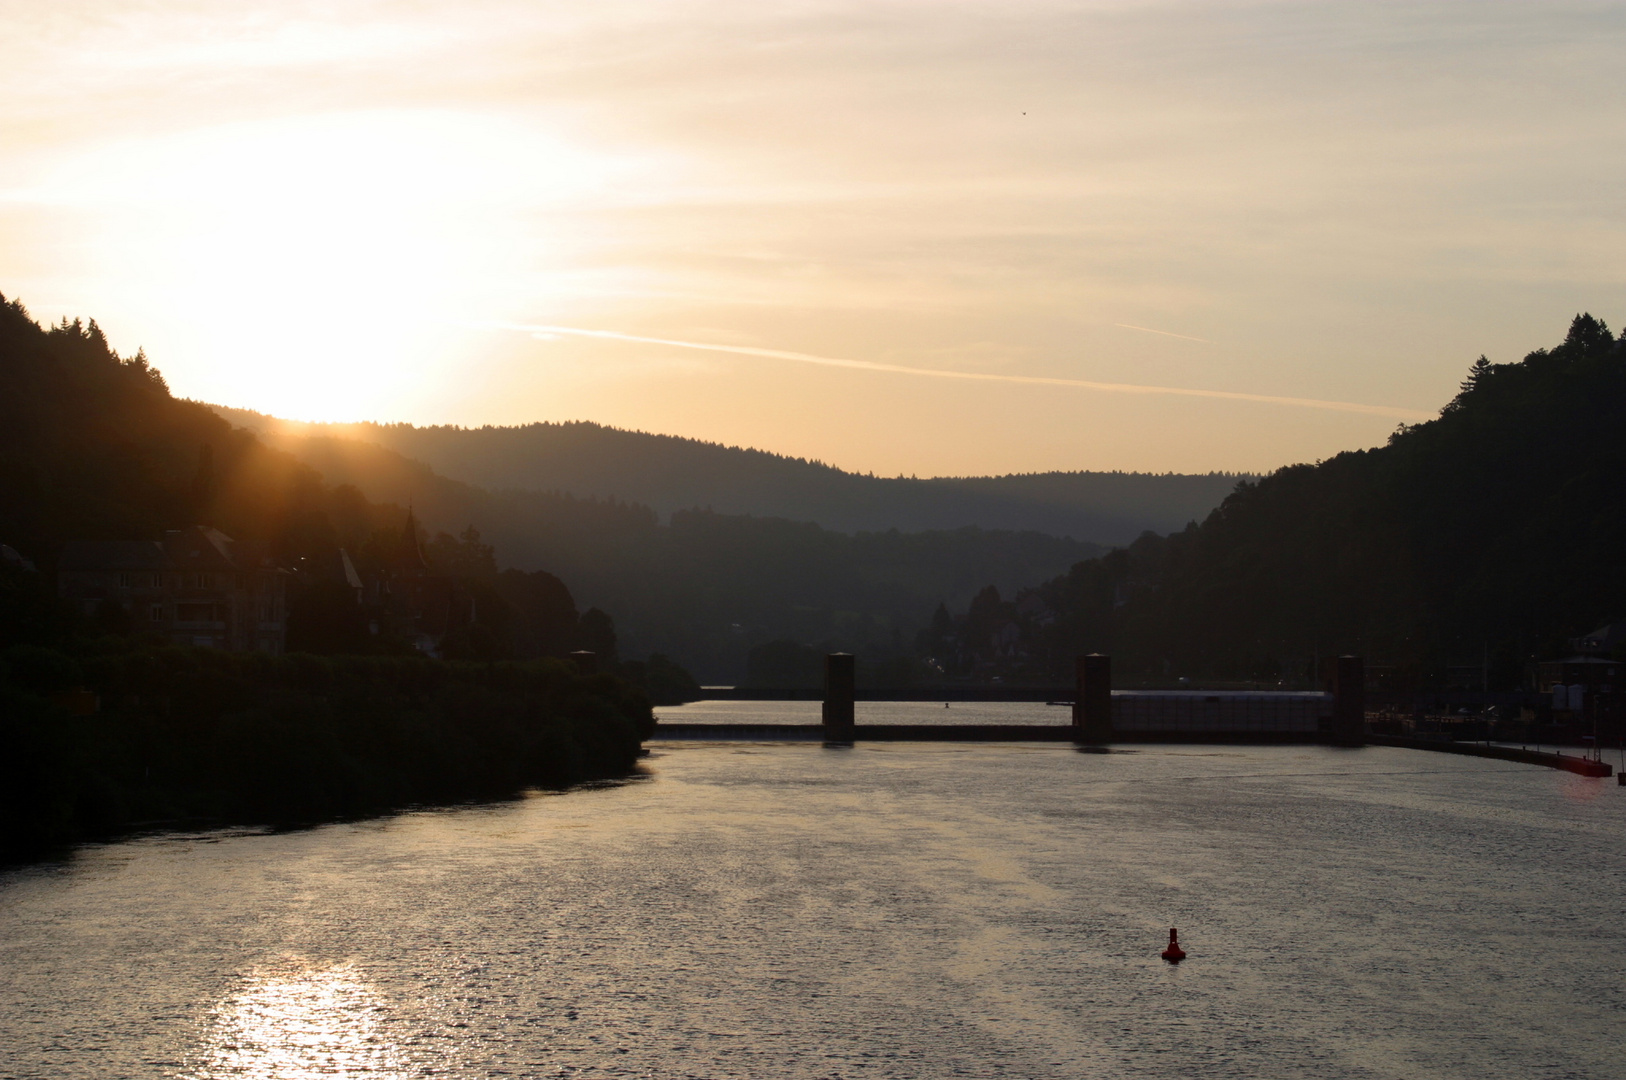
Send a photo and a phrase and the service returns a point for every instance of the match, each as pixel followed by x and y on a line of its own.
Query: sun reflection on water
pixel 298 1022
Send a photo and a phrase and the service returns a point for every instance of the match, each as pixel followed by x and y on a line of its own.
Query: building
pixel 1604 641
pixel 417 603
pixel 1594 673
pixel 197 586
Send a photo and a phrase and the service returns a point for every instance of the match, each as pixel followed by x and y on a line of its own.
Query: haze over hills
pixel 669 473
pixel 705 587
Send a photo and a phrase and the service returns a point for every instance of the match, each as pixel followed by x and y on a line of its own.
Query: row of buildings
pixel 197 586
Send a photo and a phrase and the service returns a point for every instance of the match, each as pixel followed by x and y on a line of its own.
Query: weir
pixel 1102 716
pixel 840 682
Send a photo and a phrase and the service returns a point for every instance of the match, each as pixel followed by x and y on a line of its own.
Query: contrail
pixel 1165 333
pixel 973 376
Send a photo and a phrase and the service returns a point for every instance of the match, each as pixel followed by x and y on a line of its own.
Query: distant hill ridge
pixel 94 447
pixel 670 472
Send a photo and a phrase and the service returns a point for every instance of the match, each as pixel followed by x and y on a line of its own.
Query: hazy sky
pixel 997 219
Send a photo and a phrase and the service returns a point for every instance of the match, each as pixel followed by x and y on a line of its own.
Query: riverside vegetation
pixel 195 735
pixel 93 446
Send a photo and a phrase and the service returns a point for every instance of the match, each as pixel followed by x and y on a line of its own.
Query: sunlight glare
pixel 341 253
pixel 300 1023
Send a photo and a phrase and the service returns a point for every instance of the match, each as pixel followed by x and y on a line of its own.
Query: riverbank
pixel 94 746
pixel 1575 764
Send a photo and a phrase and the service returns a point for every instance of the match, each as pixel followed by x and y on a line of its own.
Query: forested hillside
pixel 1494 533
pixel 705 587
pixel 94 447
pixel 667 473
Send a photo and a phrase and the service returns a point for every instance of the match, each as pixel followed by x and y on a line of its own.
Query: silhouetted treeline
pixel 669 473
pixel 212 737
pixel 786 664
pixel 94 447
pixel 519 615
pixel 1490 535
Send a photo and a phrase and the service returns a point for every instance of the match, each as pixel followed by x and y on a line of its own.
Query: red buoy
pixel 1174 953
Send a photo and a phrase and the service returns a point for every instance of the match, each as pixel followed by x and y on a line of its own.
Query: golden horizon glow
pixel 1185 214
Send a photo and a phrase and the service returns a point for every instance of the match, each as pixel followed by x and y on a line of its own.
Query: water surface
pixel 894 910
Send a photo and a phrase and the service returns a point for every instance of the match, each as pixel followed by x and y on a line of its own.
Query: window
pixel 158 581
pixel 155 612
pixel 127 580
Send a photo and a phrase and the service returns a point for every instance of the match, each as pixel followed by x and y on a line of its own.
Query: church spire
pixel 411 557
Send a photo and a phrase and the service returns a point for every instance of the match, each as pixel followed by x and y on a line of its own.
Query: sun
pixel 322 267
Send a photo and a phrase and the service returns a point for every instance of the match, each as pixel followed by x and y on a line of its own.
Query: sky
pixel 920 238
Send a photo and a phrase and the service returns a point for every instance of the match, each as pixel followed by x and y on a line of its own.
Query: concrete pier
pixel 839 693
pixel 1092 700
pixel 1349 702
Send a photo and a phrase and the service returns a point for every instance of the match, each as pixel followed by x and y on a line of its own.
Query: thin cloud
pixel 1165 333
pixel 974 376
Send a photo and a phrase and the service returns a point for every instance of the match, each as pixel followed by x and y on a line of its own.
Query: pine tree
pixel 1476 374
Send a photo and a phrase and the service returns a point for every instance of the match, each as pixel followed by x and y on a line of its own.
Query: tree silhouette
pixel 1495 529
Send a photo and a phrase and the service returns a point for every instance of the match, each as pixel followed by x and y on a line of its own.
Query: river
pixel 892 910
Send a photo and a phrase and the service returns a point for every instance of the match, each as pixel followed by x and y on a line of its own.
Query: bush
pixel 198 734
